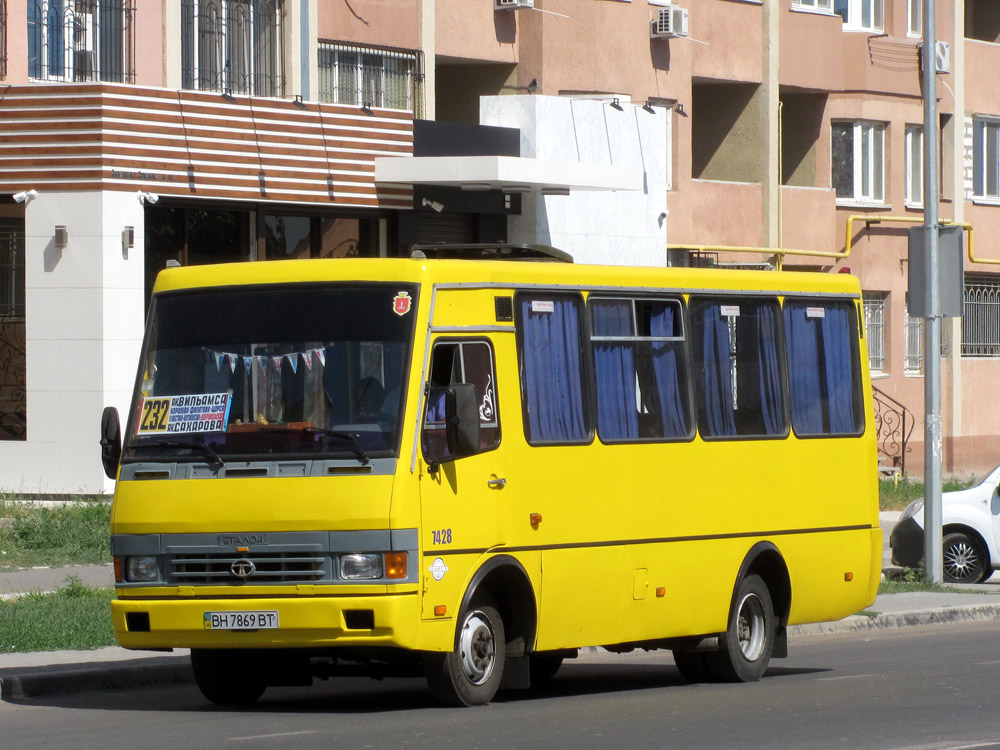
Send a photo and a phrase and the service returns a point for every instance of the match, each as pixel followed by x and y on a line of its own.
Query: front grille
pixel 269 568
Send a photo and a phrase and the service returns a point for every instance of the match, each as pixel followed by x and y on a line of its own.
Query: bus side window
pixel 825 380
pixel 453 362
pixel 739 368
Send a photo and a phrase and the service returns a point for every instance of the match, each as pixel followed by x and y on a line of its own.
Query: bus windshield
pixel 305 370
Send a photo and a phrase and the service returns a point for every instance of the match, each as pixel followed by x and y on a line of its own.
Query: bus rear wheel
pixel 225 677
pixel 471 674
pixel 747 644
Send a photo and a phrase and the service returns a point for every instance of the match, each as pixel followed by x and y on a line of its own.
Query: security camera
pixel 439 207
pixel 25 196
pixel 144 197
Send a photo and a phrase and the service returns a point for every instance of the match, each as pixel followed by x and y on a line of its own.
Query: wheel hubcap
pixel 478 648
pixel 961 561
pixel 750 627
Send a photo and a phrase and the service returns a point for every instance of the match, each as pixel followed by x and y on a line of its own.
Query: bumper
pixel 907 543
pixel 383 621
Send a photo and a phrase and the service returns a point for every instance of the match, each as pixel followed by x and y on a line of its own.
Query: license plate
pixel 242 620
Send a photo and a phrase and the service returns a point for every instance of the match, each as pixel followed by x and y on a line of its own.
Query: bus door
pixel 461 499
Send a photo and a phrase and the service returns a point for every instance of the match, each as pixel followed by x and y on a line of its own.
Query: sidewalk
pixel 41 673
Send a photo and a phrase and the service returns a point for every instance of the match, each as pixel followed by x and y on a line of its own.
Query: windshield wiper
pixel 204 448
pixel 351 437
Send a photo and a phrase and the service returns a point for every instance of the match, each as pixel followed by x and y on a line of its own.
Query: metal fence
pixel 981 317
pixel 874 304
pixel 371 76
pixel 13 421
pixel 232 46
pixel 81 40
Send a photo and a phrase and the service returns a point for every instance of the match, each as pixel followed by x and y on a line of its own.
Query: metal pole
pixel 932 324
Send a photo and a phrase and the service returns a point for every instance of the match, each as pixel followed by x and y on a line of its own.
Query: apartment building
pixel 133 133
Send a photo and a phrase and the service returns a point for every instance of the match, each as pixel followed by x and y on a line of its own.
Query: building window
pixel 913 361
pixel 863 15
pixel 233 46
pixel 874 304
pixel 370 76
pixel 985 158
pixel 81 40
pixel 825 5
pixel 858 155
pixel 13 419
pixel 981 317
pixel 914 165
pixel 914 17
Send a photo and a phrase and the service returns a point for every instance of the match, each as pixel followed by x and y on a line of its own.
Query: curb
pixel 888 621
pixel 36 682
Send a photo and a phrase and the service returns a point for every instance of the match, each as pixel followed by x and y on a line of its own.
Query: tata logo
pixel 242 540
pixel 242 568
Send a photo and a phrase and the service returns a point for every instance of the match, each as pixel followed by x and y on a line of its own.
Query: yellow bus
pixel 473 462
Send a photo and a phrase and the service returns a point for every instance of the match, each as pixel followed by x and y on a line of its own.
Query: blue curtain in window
pixel 614 365
pixel 717 378
pixel 666 366
pixel 804 376
pixel 552 372
pixel 838 368
pixel 769 371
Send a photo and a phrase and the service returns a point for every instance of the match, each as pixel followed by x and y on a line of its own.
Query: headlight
pixel 359 566
pixel 142 569
pixel 912 509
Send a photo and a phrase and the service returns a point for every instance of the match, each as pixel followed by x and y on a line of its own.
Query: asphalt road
pixel 929 687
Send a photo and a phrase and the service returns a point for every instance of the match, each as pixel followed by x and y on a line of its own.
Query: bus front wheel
pixel 747 644
pixel 226 677
pixel 471 674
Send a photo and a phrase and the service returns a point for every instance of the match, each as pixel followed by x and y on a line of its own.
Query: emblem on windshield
pixel 242 568
pixel 401 303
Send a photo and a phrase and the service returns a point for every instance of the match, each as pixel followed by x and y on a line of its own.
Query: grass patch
pixel 74 618
pixel 897 495
pixel 77 533
pixel 909 580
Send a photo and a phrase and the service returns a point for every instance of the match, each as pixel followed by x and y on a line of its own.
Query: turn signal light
pixel 395 565
pixel 440 610
pixel 118 570
pixel 848 577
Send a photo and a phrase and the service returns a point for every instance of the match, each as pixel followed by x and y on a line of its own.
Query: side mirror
pixel 111 441
pixel 451 425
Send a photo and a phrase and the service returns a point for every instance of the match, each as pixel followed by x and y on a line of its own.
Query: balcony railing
pixel 81 40
pixel 893 425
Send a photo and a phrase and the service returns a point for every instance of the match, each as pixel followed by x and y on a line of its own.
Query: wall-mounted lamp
pixel 555 190
pixel 128 240
pixel 25 196
pixel 367 108
pixel 145 198
pixel 61 237
pixel 616 105
pixel 648 106
pixel 477 186
pixel 515 188
pixel 678 108
pixel 439 207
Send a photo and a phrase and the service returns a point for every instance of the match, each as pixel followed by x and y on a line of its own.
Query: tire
pixel 542 667
pixel 749 638
pixel 964 559
pixel 226 677
pixel 471 674
pixel 693 665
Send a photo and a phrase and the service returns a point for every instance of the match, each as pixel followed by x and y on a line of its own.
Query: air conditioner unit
pixel 669 21
pixel 512 4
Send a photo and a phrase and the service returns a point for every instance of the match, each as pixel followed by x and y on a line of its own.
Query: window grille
pixel 874 304
pixel 232 46
pixel 981 317
pixel 371 76
pixel 3 39
pixel 81 40
pixel 12 333
pixel 913 359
